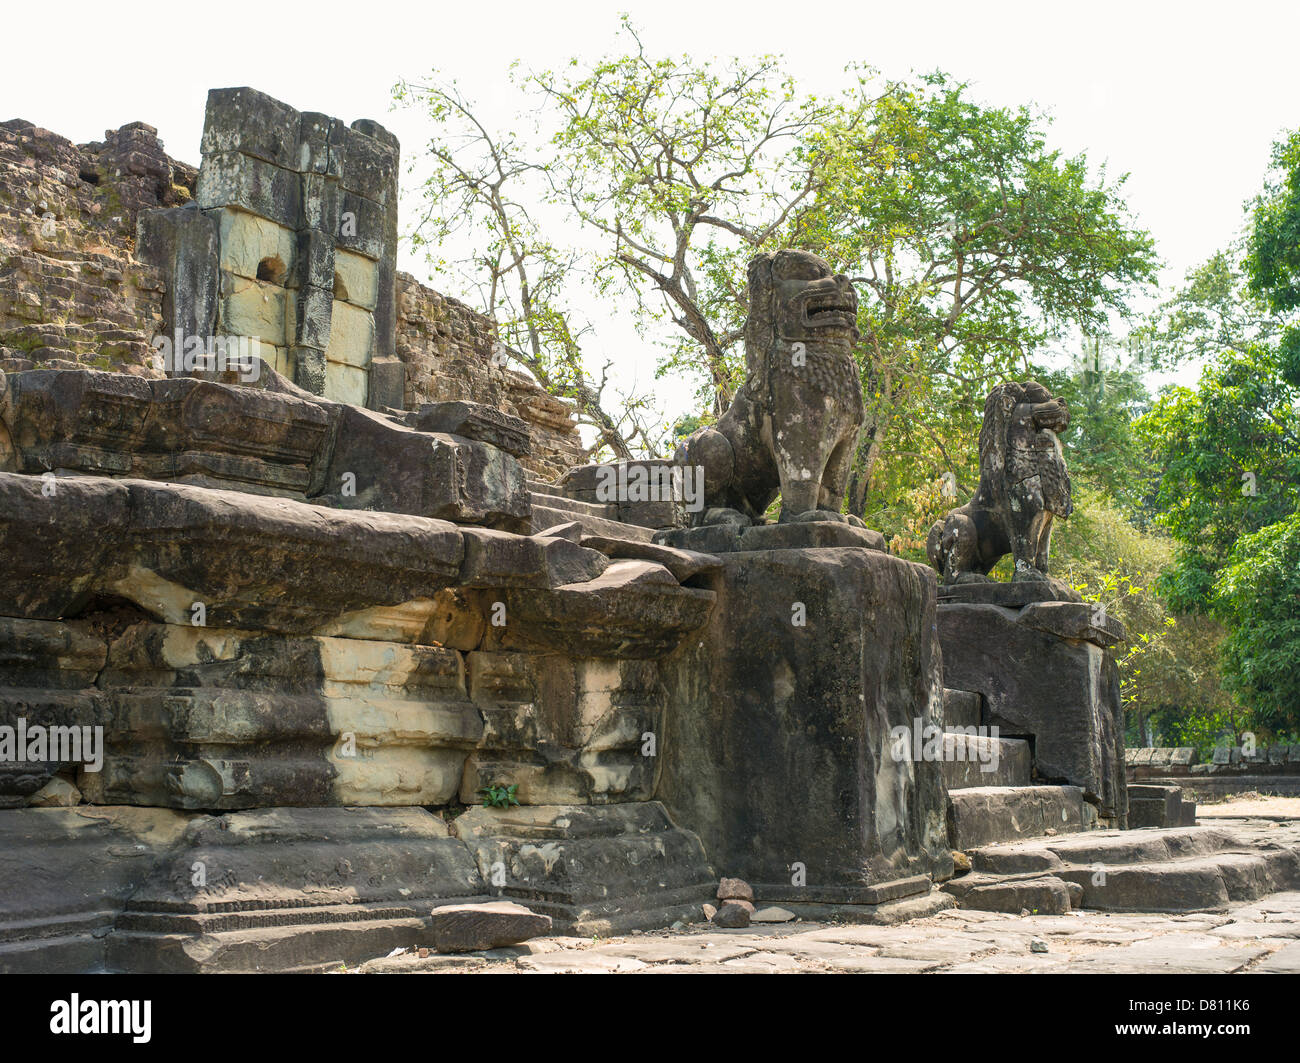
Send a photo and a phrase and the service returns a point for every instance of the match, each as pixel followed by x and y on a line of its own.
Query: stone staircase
pixel 992 795
pixel 1042 848
pixel 1179 869
pixel 551 508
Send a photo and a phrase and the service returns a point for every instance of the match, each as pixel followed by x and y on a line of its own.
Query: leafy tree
pixel 685 169
pixel 975 244
pixel 1273 261
pixel 479 182
pixel 1229 455
pixel 1106 393
pixel 971 240
pixel 1169 666
pixel 1214 313
pixel 1229 452
pixel 1258 595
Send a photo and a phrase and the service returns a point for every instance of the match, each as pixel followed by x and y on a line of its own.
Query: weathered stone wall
pixel 1272 769
pixel 447 348
pixel 777 748
pixel 72 292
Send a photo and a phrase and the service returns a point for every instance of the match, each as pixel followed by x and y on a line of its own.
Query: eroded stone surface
pixel 1062 691
pixel 952 942
pixel 474 927
pixel 811 658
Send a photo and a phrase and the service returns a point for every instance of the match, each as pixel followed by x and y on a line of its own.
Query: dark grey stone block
pixel 252 123
pixel 230 179
pixel 183 243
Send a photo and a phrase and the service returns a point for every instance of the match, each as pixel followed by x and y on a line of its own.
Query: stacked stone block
pixel 71 293
pixel 307 214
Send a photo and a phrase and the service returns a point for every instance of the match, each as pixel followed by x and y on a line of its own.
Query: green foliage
pixel 682 169
pixel 480 185
pixel 971 240
pixel 1169 666
pixel 685 426
pixel 974 244
pixel 1229 455
pixel 1273 259
pixel 1203 731
pixel 1213 314
pixel 499 796
pixel 1258 595
pixel 1273 245
pixel 1106 393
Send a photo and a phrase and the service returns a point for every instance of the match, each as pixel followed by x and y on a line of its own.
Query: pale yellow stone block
pixel 359 277
pixel 352 335
pixel 252 308
pixel 280 359
pixel 346 383
pixel 247 241
pixel 404 622
pixel 395 749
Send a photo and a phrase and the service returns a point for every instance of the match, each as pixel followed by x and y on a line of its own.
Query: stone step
pixel 1107 847
pixel 961 708
pixel 1186 885
pixel 547 517
pixel 571 505
pixel 986 815
pixel 1160 806
pixel 971 761
pixel 1177 870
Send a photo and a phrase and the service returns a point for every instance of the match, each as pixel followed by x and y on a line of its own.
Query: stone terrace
pixel 1252 937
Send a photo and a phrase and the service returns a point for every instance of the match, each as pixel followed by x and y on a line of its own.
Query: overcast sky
pixel 1185 97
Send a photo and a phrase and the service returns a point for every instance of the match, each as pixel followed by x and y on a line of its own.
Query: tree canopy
pixel 980 253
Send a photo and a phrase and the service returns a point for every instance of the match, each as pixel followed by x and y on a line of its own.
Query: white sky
pixel 1186 97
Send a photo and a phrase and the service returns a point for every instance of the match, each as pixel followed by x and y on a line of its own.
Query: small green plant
pixel 499 796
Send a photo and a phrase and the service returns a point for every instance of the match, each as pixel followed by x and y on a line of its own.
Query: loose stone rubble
pixel 1248 937
pixel 337 652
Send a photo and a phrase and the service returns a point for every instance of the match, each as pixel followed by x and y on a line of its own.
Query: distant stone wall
pixel 73 294
pixel 70 291
pixel 447 348
pixel 1231 769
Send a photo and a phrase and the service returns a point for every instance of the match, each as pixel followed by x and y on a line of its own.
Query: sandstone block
pixel 734 889
pixel 732 916
pixel 473 927
pixel 359 280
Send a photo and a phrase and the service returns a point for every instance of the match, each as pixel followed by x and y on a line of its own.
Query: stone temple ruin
pixel 272 623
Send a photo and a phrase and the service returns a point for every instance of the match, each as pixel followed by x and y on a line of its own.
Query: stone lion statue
pixel 794 423
pixel 1023 486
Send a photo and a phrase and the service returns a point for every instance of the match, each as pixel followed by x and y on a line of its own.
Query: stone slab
pixel 807 535
pixel 489 925
pixel 1013 595
pixel 1064 693
pixel 587 867
pixel 989 815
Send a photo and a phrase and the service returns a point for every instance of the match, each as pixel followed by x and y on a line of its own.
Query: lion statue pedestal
pixel 1038 657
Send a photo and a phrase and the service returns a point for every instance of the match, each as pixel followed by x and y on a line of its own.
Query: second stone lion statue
pixel 793 425
pixel 1023 485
